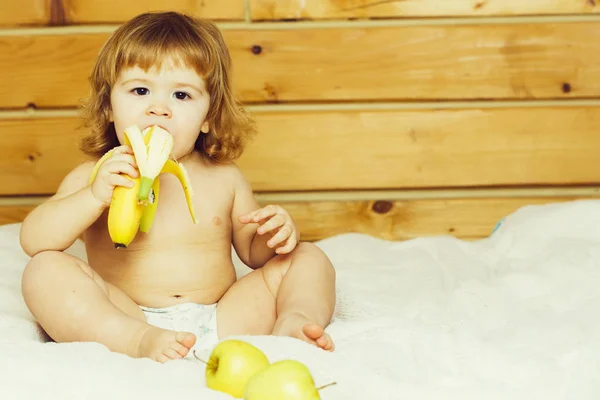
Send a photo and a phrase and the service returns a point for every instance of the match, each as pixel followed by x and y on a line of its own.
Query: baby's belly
pixel 168 277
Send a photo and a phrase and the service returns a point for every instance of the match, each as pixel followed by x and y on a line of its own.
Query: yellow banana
pixel 177 169
pixel 152 149
pixel 172 167
pixel 125 214
pixel 150 209
pixel 134 208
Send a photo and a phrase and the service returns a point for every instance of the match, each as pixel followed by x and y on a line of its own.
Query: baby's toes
pixel 172 354
pixel 322 341
pixel 186 339
pixel 161 358
pixel 180 349
pixel 330 345
pixel 325 342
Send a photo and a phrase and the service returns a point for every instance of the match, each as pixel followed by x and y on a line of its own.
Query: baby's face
pixel 174 98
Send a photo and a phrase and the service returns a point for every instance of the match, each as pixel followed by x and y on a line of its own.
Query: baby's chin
pixel 182 155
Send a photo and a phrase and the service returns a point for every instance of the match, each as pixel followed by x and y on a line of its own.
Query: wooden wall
pixel 397 119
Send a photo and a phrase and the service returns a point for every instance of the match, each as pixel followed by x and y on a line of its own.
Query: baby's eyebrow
pixel 177 84
pixel 185 84
pixel 146 81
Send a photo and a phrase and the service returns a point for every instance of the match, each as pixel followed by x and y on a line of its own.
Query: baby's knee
pixel 309 249
pixel 43 260
pixel 46 265
pixel 312 253
pixel 38 269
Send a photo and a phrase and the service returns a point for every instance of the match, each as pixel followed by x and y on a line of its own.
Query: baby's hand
pixel 109 175
pixel 276 219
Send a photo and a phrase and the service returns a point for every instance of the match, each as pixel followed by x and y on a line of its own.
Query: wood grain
pixel 24 12
pixel 36 154
pixel 15 13
pixel 520 61
pixel 116 11
pixel 466 218
pixel 338 9
pixel 359 149
pixel 424 149
pixel 14 214
pixel 403 220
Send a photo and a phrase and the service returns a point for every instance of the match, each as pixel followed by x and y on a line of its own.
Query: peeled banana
pixel 152 149
pixel 133 209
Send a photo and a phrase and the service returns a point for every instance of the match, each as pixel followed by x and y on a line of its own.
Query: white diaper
pixel 199 319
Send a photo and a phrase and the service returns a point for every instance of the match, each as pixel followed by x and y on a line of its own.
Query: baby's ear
pixel 204 128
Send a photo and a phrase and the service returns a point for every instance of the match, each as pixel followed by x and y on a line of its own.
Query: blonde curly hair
pixel 145 41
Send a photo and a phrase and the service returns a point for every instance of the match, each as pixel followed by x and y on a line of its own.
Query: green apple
pixel 231 364
pixel 282 380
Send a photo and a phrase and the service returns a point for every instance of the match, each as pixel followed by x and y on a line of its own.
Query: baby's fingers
pixel 265 212
pixel 283 234
pixel 289 246
pixel 244 219
pixel 128 158
pixel 120 180
pixel 271 224
pixel 123 149
pixel 122 167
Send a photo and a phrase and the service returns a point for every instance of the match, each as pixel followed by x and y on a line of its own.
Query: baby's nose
pixel 159 110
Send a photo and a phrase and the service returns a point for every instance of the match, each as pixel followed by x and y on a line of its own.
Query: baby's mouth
pixel 150 126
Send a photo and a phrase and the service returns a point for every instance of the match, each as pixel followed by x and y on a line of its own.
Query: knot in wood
pixel 382 206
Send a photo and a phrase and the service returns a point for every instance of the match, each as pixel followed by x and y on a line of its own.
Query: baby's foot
pixel 162 345
pixel 300 327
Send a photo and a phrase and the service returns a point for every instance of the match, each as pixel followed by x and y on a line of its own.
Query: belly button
pixel 177 296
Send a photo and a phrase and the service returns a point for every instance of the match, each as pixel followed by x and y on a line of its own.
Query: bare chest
pixel 176 256
pixel 173 233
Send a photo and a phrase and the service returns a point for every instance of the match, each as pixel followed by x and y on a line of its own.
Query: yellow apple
pixel 231 364
pixel 282 380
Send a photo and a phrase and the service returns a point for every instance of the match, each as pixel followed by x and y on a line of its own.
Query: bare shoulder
pixel 231 170
pixel 227 173
pixel 232 173
pixel 75 180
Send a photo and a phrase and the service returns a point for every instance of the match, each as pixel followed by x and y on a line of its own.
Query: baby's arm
pixel 57 223
pixel 250 247
pixel 60 220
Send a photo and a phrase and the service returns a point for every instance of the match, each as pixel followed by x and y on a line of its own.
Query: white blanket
pixel 515 316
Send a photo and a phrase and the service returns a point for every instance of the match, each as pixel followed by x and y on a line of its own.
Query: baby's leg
pixel 292 295
pixel 74 304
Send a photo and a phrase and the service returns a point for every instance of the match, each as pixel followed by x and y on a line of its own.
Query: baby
pixel 175 287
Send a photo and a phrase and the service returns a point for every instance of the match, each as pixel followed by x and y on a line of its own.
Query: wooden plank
pixel 44 12
pixel 521 61
pixel 338 9
pixel 423 149
pixel 408 219
pixel 359 149
pixel 37 154
pixel 14 213
pixel 117 11
pixel 466 218
pixel 24 12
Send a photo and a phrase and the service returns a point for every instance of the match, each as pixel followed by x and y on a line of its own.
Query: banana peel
pixel 177 169
pixel 125 214
pixel 150 209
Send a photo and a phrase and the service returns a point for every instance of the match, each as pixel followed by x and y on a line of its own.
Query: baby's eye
pixel 182 95
pixel 140 91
